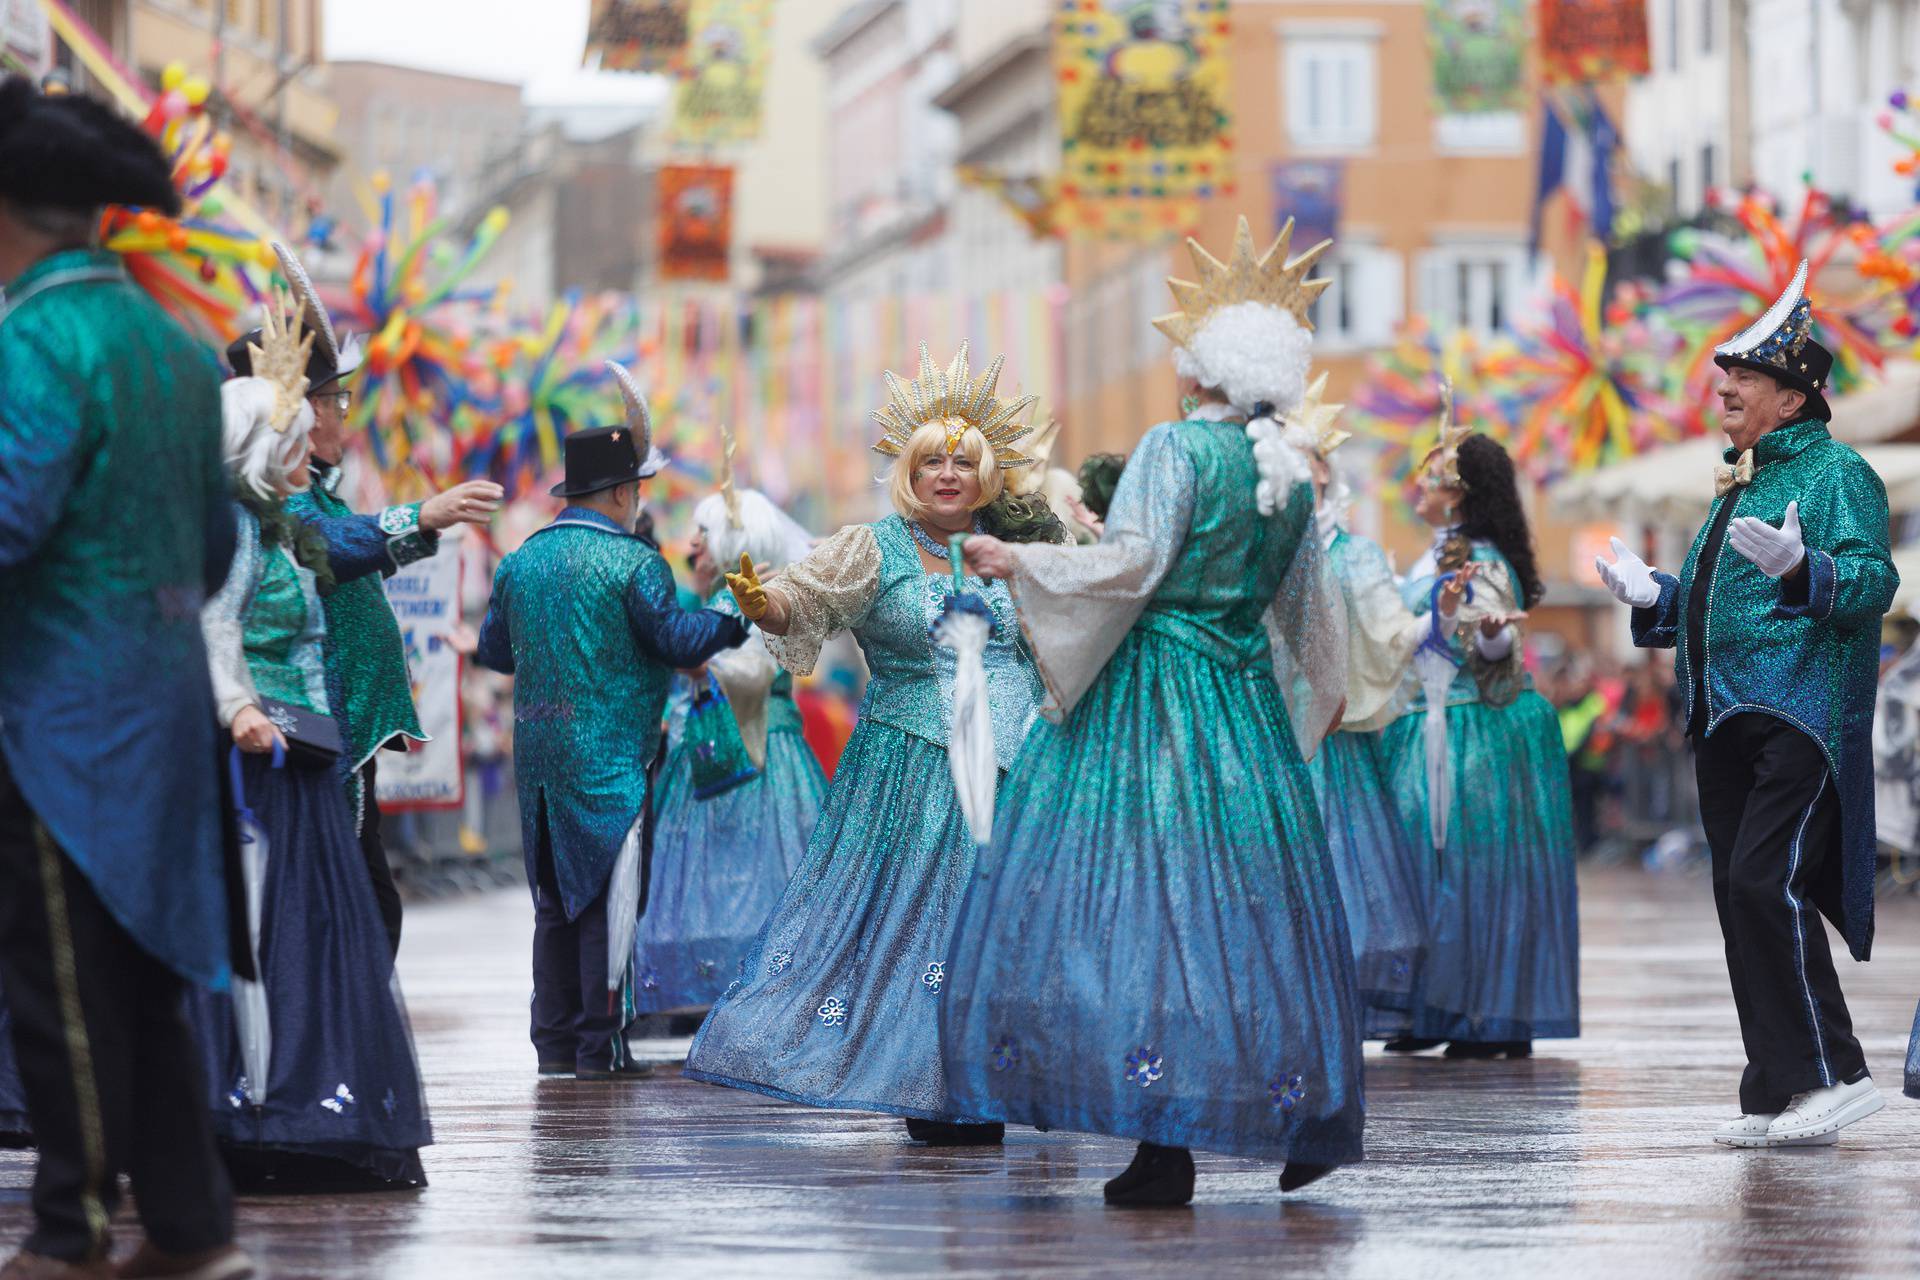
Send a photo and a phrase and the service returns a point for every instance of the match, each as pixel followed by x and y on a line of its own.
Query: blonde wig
pixel 931 440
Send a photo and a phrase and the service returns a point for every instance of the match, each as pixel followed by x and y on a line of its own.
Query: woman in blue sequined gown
pixel 1376 855
pixel 1503 954
pixel 340 1102
pixel 720 862
pixel 1155 946
pixel 838 1003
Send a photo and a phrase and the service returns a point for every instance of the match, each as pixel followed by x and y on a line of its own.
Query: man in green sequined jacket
pixel 1776 616
pixel 114 528
pixel 367 680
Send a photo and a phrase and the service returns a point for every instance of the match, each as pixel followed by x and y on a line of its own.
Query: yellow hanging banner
pixel 717 99
pixel 1145 126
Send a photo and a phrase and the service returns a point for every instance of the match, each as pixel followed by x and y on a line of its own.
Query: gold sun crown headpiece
pixel 1452 436
pixel 280 357
pixel 729 493
pixel 1317 418
pixel 1269 278
pixel 957 400
pixel 1039 446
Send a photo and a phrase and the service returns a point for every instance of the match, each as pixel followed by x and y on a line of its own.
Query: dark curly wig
pixel 1099 477
pixel 1491 510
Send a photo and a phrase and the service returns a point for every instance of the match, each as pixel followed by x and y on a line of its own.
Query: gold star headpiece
pixel 957 400
pixel 280 356
pixel 1269 278
pixel 729 494
pixel 1039 446
pixel 1316 417
pixel 1451 438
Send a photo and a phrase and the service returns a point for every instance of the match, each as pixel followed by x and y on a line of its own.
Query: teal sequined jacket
pixel 115 526
pixel 585 618
pixel 1805 649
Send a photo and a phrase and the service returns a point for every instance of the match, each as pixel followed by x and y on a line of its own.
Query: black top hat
pixel 321 368
pixel 1780 344
pixel 71 152
pixel 598 458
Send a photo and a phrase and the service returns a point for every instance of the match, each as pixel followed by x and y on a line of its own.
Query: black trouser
pixel 112 1078
pixel 374 849
pixel 1772 818
pixel 576 1020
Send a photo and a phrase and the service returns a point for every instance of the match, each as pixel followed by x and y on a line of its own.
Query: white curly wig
pixel 258 458
pixel 770 536
pixel 1251 353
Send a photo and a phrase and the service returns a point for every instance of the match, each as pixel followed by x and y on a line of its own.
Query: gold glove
pixel 747 591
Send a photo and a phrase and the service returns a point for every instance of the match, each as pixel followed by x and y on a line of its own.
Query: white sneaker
pixel 1819 1112
pixel 1751 1131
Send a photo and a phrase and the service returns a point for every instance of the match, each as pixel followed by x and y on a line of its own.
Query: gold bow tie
pixel 1728 478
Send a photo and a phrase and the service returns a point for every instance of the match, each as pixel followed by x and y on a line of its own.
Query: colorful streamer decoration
pixel 1146 131
pixel 423 393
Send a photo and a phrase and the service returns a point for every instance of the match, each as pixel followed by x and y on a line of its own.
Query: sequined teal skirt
pixel 1155 946
pixel 719 867
pixel 1913 1058
pixel 1378 861
pixel 1503 944
pixel 838 1004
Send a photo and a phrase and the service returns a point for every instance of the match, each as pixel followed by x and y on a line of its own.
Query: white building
pixel 1681 121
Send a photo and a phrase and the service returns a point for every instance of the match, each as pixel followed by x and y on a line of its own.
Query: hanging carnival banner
pixel 637 35
pixel 718 97
pixel 425 596
pixel 1478 50
pixel 27 36
pixel 1308 192
pixel 696 221
pixel 1593 41
pixel 1145 129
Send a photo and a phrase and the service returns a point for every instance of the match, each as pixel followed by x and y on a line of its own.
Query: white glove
pixel 1629 577
pixel 1775 552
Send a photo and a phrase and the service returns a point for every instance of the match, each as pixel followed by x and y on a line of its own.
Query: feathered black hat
pixel 72 152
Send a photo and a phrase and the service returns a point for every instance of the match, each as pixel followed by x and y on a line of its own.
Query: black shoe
pixel 944 1133
pixel 556 1068
pixel 1410 1044
pixel 1297 1174
pixel 631 1071
pixel 1158 1177
pixel 1486 1049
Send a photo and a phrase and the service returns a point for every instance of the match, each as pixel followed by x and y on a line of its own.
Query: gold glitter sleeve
pixel 831 590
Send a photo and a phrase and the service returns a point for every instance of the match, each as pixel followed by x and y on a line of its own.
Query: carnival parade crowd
pixel 1162 802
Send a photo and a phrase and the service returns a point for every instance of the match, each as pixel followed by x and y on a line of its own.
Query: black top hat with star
pixel 332 358
pixel 1780 344
pixel 598 458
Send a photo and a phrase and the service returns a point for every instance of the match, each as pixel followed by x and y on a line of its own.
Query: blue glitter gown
pixel 1503 948
pixel 839 1001
pixel 720 864
pixel 1155 946
pixel 1913 1058
pixel 14 1129
pixel 1377 856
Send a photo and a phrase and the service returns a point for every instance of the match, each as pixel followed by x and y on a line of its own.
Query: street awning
pixel 1674 485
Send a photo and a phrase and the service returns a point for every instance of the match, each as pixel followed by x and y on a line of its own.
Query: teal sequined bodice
pixel 911 684
pixel 284 633
pixel 1216 595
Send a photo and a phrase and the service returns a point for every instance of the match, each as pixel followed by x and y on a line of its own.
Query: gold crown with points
pixel 280 356
pixel 1269 278
pixel 1451 438
pixel 953 397
pixel 1316 417
pixel 1039 447
pixel 729 494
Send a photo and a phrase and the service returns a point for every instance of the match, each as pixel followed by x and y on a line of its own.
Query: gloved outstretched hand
pixel 747 591
pixel 1629 577
pixel 1775 552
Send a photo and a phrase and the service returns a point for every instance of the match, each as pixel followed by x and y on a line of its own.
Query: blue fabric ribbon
pixel 1435 642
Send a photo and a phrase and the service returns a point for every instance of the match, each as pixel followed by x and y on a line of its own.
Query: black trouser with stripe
pixel 1772 819
pixel 112 1078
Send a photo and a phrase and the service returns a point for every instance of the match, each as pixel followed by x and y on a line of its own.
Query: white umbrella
pixel 250 995
pixel 965 625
